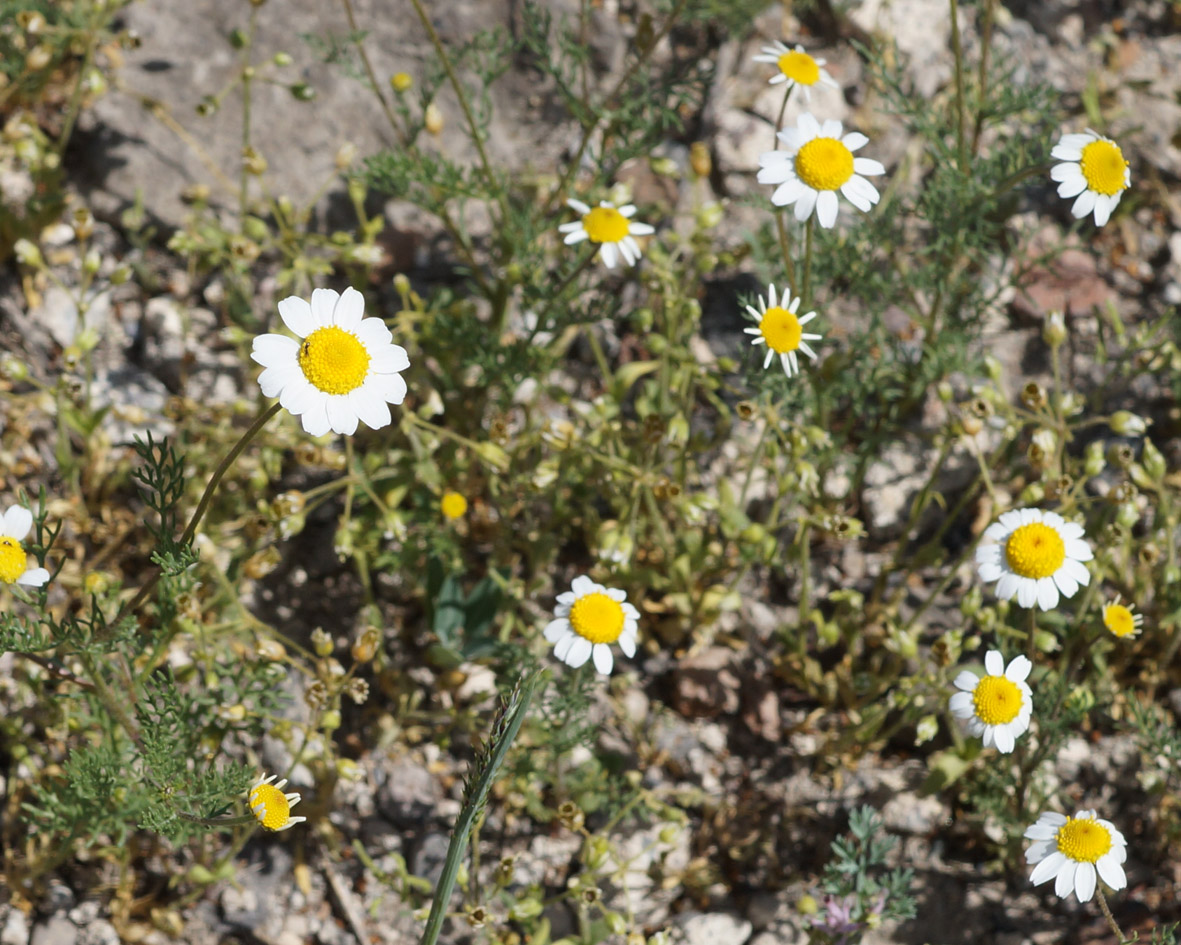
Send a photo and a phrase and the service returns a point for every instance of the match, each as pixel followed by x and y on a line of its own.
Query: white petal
pixel 1072 187
pixel 961 704
pixel 578 206
pixel 270 350
pixel 967 681
pixel 341 417
pixel 323 305
pixel 315 418
pixel 1112 873
pixel 868 166
pixel 994 663
pixel 790 192
pixel 854 140
pixel 556 629
pixel 604 661
pixel 627 210
pixel 610 256
pixel 274 379
pixel 1027 592
pixel 627 643
pixel 299 396
pixel 1047 868
pixel 826 208
pixel 1019 669
pixel 1066 584
pixel 831 128
pixel 809 126
pixel 349 310
pixel 989 571
pixel 1103 207
pixel 564 645
pixel 577 236
pixel 1009 585
pixel 776 173
pixel 389 359
pixel 17 522
pixel 580 652
pixel 1047 594
pixel 297 315
pixel 372 411
pixel 1040 831
pixel 1084 205
pixel 1065 172
pixel 1003 738
pixel 374 335
pixel 582 585
pixel 1064 883
pixel 805 204
pixel 640 229
pixel 391 387
pixel 1084 882
pixel 34 577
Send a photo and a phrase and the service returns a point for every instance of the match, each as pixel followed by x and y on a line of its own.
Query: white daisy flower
pixel 1094 171
pixel 609 225
pixel 817 163
pixel 14 563
pixel 997 707
pixel 344 370
pixel 1034 555
pixel 588 618
pixel 271 807
pixel 1071 850
pixel 797 68
pixel 1120 619
pixel 781 330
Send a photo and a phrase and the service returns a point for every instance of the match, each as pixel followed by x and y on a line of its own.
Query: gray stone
pixel 241 907
pixel 16 928
pixel 406 791
pixel 98 932
pixel 56 930
pixel 711 928
pixel 914 814
pixel 427 860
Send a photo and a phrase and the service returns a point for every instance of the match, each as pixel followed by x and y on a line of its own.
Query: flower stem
pixel 1102 900
pixel 202 506
pixel 958 50
pixel 504 731
pixel 806 292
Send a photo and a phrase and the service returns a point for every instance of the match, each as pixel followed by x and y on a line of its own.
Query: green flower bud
pixel 1125 423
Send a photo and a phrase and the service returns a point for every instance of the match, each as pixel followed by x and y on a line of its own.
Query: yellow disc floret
pixel 1083 839
pixel 799 67
pixel 270 806
pixel 781 330
pixel 12 560
pixel 597 618
pixel 453 505
pixel 1104 167
pixel 997 700
pixel 605 225
pixel 1120 620
pixel 1035 550
pixel 824 164
pixel 334 360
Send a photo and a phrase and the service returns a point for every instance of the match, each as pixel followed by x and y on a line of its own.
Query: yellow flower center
pixel 799 67
pixel 334 360
pixel 1119 619
pixel 997 700
pixel 824 164
pixel 270 806
pixel 597 617
pixel 1104 167
pixel 605 225
pixel 1083 839
pixel 12 560
pixel 781 330
pixel 1035 550
pixel 453 505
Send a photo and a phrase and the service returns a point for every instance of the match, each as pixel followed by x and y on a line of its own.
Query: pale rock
pixel 711 928
pixel 914 814
pixel 16 928
pixel 56 930
pixel 928 48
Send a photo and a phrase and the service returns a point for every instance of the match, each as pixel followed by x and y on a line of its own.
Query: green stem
pixel 504 731
pixel 369 71
pixel 785 249
pixel 960 106
pixel 202 506
pixel 806 292
pixel 1106 910
pixel 247 78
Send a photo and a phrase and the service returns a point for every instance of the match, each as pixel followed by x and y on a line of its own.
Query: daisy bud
pixel 1033 396
pixel 699 159
pixel 321 642
pixel 401 81
pixel 1121 455
pixel 1154 462
pixel 28 254
pixel 1125 423
pixel 38 58
pixel 432 119
pixel 366 647
pixel 1094 459
pixel 1054 329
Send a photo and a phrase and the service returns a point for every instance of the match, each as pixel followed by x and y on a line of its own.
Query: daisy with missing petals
pixel 796 68
pixel 1034 556
pixel 610 226
pixel 1093 170
pixel 1120 620
pixel 997 707
pixel 271 807
pixel 14 563
pixel 343 369
pixel 781 330
pixel 816 163
pixel 588 618
pixel 1071 850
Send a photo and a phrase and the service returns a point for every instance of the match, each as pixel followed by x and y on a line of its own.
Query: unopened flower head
pixel 817 162
pixel 453 505
pixel 609 226
pixel 1121 619
pixel 271 807
pixel 588 618
pixel 996 707
pixel 1034 556
pixel 781 330
pixel 1094 171
pixel 14 563
pixel 796 68
pixel 1074 851
pixel 344 368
